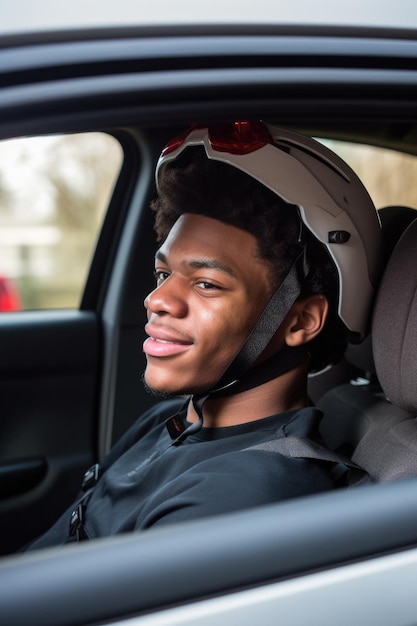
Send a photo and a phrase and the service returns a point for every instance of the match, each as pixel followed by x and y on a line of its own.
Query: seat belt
pixel 304 448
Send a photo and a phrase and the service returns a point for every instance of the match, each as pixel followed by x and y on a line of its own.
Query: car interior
pixel 70 379
pixel 373 416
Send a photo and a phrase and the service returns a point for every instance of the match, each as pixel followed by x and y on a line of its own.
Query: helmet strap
pixel 264 330
pixel 283 361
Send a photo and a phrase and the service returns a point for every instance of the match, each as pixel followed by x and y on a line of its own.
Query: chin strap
pixel 284 361
pixel 241 374
pixel 264 330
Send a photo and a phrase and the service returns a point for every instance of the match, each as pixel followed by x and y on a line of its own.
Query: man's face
pixel 211 289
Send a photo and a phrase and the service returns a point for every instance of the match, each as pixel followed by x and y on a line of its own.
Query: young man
pixel 269 249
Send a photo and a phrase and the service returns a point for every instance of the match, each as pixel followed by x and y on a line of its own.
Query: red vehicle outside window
pixel 9 296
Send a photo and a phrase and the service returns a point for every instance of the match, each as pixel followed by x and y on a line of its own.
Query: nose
pixel 167 299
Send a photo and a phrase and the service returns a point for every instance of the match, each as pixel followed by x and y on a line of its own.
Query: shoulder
pixel 232 482
pixel 304 423
pixel 264 476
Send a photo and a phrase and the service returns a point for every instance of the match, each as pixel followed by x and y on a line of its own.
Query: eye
pixel 160 276
pixel 206 286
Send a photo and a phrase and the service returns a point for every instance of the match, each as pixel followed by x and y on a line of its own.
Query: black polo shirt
pixel 146 482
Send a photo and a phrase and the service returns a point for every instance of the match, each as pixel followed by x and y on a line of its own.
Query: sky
pixel 24 15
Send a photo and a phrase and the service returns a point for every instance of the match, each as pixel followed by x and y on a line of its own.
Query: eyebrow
pixel 204 263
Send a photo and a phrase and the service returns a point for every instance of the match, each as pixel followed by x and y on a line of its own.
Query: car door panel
pixel 48 387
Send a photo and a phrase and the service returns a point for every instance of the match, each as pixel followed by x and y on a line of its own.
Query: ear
pixel 306 320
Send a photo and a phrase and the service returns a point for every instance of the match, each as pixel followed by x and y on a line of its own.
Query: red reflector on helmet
pixel 235 138
pixel 239 137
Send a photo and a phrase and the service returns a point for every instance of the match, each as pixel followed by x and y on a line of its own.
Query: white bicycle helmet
pixel 333 205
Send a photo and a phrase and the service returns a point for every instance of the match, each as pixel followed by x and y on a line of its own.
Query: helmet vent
pixel 318 157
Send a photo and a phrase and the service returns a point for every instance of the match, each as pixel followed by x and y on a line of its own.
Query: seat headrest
pixel 394 324
pixel 394 221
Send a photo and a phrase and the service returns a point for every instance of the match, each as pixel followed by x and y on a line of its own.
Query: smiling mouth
pixel 164 347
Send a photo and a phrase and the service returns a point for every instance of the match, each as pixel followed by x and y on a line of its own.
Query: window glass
pixel 53 195
pixel 388 176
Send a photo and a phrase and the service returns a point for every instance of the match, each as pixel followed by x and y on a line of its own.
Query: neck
pixel 285 393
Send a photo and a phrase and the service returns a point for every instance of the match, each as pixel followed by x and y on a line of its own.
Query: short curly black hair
pixel 195 184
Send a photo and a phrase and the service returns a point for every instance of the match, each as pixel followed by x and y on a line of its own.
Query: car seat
pixel 373 418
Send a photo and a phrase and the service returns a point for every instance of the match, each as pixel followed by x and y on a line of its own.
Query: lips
pixel 163 342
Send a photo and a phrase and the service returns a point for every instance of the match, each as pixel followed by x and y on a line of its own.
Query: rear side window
pixel 54 192
pixel 389 176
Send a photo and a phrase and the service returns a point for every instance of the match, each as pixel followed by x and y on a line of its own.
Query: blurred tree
pixel 81 170
pixel 53 194
pixel 5 197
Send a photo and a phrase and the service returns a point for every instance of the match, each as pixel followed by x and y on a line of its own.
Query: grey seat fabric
pixel 375 422
pixel 388 450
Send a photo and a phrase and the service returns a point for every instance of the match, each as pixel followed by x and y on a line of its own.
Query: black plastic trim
pixel 85 96
pixel 35 63
pixel 18 477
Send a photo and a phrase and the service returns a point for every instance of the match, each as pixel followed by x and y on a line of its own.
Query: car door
pixel 51 359
pixel 67 373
